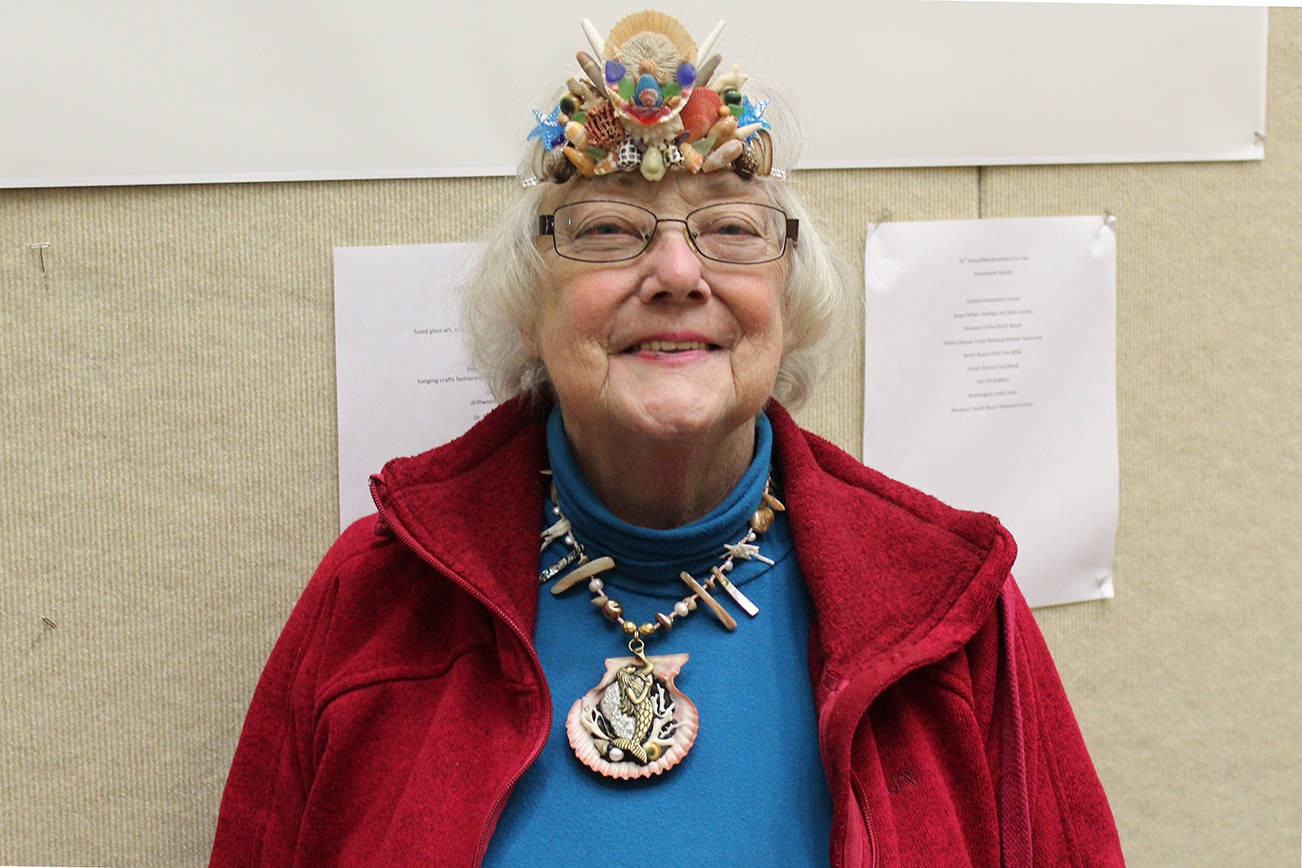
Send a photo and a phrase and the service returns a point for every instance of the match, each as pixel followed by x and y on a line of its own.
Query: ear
pixel 530 343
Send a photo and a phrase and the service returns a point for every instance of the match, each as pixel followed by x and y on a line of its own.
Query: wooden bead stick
pixel 582 573
pixel 719 612
pixel 735 592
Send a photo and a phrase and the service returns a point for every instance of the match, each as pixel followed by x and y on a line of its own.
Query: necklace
pixel 636 723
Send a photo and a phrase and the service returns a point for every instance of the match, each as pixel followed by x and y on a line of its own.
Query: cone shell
pixel 692 160
pixel 700 113
pixel 577 134
pixel 654 22
pixel 724 128
pixel 722 156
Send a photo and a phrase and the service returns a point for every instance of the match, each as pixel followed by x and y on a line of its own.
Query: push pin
pixel 39 254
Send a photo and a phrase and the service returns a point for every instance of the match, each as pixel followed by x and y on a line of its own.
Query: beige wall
pixel 167 454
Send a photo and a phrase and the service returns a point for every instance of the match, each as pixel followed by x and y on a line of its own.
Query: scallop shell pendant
pixel 635 723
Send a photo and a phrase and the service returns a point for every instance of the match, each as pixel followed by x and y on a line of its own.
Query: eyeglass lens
pixel 608 231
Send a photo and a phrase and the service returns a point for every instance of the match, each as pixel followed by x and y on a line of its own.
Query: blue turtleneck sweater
pixel 751 791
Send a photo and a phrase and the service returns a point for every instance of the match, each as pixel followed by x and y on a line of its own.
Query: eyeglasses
pixel 738 233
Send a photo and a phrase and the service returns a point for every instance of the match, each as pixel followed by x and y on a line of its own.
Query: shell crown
pixel 650 101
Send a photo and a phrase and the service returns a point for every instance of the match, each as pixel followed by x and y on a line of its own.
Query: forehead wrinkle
pixel 689 191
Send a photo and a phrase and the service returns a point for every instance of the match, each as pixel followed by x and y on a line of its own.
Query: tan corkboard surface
pixel 167 449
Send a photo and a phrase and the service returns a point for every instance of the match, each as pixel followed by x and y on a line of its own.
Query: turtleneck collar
pixel 652 557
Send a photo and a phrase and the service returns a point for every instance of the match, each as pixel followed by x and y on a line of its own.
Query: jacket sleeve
pixel 1052 809
pixel 270 777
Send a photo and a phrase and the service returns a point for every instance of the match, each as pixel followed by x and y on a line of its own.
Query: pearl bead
pixel 595 585
pixel 681 610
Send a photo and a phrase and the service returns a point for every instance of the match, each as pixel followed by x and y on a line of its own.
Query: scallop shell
pixel 700 112
pixel 653 22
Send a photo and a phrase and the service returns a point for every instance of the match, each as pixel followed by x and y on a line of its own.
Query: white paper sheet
pixel 402 378
pixel 991 383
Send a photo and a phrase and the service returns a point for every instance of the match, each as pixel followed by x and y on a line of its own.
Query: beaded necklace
pixel 636 723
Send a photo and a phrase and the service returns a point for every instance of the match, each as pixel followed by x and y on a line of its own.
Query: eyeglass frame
pixel 547 226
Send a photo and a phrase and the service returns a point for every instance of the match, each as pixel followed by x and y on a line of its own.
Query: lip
pixel 672 338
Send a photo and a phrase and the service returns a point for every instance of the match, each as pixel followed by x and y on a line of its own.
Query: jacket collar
pixel 897 578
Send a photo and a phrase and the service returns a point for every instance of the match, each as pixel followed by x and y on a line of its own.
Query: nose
pixel 672 268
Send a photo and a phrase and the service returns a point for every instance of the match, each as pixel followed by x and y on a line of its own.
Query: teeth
pixel 671 346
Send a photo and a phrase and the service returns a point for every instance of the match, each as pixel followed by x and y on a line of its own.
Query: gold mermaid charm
pixel 635 723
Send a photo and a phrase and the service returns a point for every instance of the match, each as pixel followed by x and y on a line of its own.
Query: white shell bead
pixel 680 609
pixel 595 586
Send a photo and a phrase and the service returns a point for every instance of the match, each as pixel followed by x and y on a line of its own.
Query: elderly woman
pixel 787 659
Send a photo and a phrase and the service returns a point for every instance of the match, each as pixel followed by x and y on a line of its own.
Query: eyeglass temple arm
pixel 546 224
pixel 793 228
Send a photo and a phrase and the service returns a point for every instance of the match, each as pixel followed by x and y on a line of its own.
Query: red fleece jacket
pixel 404 698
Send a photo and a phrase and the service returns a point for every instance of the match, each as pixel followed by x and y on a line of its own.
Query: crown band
pixel 650 101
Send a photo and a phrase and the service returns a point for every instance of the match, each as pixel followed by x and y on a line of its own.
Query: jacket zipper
pixel 500 802
pixel 825 714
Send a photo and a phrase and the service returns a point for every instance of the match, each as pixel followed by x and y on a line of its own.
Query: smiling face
pixel 667 345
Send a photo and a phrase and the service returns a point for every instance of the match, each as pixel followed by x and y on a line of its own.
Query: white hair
pixel 499 303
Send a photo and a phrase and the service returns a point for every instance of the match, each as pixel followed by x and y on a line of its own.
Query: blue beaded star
pixel 548 130
pixel 753 113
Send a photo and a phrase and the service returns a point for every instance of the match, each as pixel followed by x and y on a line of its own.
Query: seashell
pixel 577 134
pixel 604 129
pixel 700 112
pixel 705 70
pixel 606 164
pixel 673 729
pixel 594 38
pixel 733 78
pixel 747 131
pixel 709 42
pixel 557 166
pixel 722 156
pixel 653 23
pixel 652 53
pixel 581 161
pixel 647 91
pixel 692 160
pixel 653 165
pixel 592 70
pixel 724 128
pixel 673 157
pixel 538 162
pixel 762 144
pixel 628 158
pixel 578 574
pixel 584 90
pixel 762 519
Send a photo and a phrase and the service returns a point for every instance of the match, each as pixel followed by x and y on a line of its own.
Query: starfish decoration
pixel 753 113
pixel 746 551
pixel 548 130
